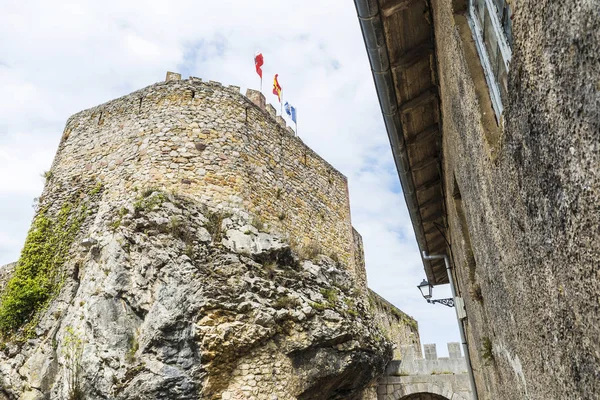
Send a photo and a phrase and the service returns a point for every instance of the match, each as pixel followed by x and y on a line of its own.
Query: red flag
pixel 276 88
pixel 258 62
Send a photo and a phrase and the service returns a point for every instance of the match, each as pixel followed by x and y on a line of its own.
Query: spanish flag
pixel 277 88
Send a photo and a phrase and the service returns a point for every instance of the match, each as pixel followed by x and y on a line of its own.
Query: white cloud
pixel 62 57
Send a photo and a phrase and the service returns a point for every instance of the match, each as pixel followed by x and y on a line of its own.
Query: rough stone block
pixel 454 350
pixel 430 351
pixel 280 121
pixel 256 97
pixel 172 76
pixel 271 110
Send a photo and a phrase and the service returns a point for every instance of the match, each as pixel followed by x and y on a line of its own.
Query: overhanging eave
pixel 398 36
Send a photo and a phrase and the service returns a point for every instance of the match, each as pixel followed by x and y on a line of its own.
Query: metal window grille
pixel 490 22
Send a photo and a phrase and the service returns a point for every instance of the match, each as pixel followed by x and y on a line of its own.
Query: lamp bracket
pixel 446 302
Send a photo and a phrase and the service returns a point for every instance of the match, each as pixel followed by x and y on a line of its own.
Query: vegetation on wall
pixel 73 352
pixel 38 274
pixel 475 292
pixel 487 350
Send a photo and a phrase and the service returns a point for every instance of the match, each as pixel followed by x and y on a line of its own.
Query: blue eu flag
pixel 291 111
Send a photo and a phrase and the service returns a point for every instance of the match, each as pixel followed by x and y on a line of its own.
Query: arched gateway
pixel 424 396
pixel 429 378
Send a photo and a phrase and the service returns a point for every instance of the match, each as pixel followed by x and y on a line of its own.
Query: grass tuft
pixel 487 352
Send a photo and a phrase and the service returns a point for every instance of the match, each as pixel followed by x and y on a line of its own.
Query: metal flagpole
pixel 281 102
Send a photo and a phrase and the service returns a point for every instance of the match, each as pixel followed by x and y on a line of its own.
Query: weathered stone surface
pixel 399 328
pixel 214 258
pixel 5 273
pixel 418 378
pixel 161 312
pixel 522 199
pixel 213 144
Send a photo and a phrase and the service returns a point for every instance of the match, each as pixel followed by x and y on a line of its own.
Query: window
pixel 490 21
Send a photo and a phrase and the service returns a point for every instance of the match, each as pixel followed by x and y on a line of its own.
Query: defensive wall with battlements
pixel 398 327
pixel 432 377
pixel 212 144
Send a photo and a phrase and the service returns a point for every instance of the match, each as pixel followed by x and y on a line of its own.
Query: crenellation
pixel 412 363
pixel 430 351
pixel 172 76
pixel 257 98
pixel 281 121
pixel 271 110
pixel 454 350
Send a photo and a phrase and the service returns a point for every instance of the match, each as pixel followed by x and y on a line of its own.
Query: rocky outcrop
pixel 163 298
pixel 5 273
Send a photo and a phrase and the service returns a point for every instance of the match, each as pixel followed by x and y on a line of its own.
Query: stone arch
pixel 425 391
pixel 423 396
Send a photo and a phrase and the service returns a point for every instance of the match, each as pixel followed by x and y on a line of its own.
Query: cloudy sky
pixel 59 57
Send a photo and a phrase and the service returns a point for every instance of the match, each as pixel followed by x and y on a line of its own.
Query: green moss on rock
pixel 37 274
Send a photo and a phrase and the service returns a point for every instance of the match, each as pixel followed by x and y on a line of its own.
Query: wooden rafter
pixel 396 6
pixel 423 98
pixel 413 56
pixel 424 135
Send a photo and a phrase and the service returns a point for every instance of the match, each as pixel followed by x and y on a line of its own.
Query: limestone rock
pixel 166 310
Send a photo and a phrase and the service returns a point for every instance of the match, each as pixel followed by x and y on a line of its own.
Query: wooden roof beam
pixel 413 56
pixel 396 6
pixel 432 201
pixel 423 98
pixel 432 229
pixel 428 185
pixel 424 135
pixel 424 163
pixel 432 218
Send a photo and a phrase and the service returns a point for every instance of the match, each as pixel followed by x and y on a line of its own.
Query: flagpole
pixel 281 102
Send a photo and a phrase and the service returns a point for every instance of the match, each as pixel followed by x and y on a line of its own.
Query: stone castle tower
pixel 228 151
pixel 188 245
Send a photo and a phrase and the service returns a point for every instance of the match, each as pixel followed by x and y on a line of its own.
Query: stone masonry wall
pixel 444 376
pixel 522 199
pixel 211 143
pixel 399 328
pixel 359 261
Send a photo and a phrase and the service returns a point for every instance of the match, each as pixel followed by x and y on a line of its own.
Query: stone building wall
pixel 522 199
pixel 209 142
pixel 399 328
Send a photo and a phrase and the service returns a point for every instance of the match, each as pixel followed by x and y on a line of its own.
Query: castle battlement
pixel 413 363
pixel 211 143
